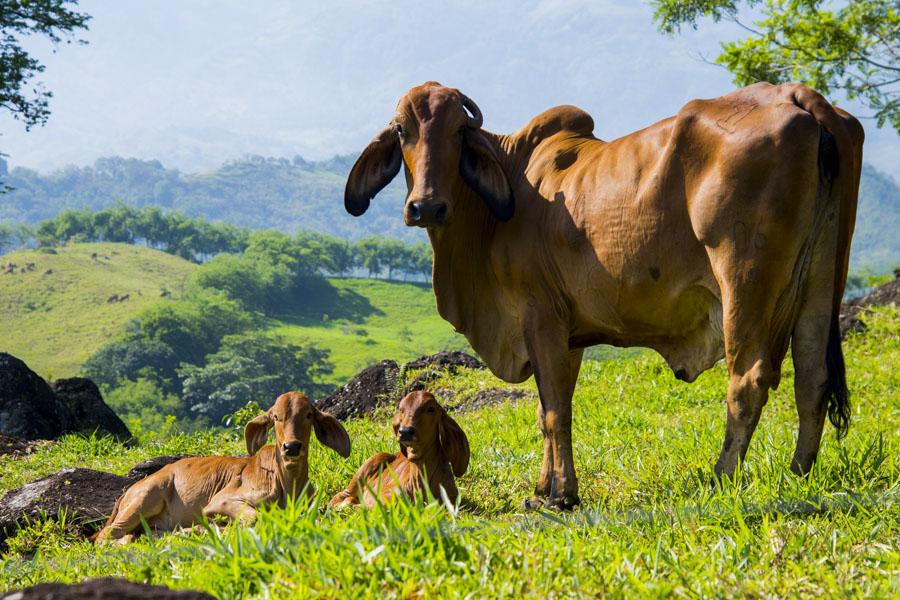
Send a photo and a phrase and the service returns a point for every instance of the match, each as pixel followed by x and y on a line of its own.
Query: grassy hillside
pixel 651 523
pixel 55 321
pixel 363 321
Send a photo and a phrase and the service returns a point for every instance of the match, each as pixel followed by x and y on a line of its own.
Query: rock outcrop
pixel 30 409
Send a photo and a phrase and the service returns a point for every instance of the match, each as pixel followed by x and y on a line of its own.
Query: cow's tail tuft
pixel 836 393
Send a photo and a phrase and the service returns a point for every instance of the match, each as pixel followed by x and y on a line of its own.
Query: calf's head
pixel 293 417
pixel 440 145
pixel 425 431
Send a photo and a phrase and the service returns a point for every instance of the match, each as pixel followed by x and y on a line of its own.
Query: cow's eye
pixel 398 128
pixel 309 415
pixel 274 417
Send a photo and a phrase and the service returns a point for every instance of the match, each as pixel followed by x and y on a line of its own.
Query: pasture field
pixel 652 523
pixel 55 322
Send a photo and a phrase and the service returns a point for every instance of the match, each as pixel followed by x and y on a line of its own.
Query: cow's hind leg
pixel 748 308
pixel 147 503
pixel 808 350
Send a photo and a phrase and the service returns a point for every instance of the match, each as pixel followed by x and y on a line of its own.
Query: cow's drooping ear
pixel 256 431
pixel 455 444
pixel 481 170
pixel 378 164
pixel 330 432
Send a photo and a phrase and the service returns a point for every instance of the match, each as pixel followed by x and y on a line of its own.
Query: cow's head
pixel 436 134
pixel 424 429
pixel 293 416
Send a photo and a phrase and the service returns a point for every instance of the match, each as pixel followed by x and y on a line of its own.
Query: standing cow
pixel 722 231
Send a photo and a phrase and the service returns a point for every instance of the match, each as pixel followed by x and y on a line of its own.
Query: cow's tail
pixel 840 159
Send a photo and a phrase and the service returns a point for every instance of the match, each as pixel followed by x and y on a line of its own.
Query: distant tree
pixel 852 46
pixel 368 255
pixel 13 236
pixel 422 259
pixel 251 367
pixel 254 281
pixel 52 19
pixel 194 326
pixel 130 359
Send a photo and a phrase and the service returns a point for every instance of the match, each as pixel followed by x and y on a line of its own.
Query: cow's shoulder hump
pixel 570 119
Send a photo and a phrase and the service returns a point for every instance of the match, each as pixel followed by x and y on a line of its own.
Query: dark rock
pixel 104 589
pixel 28 407
pixel 463 402
pixel 371 388
pixel 87 496
pixel 421 381
pixel 883 295
pixel 89 412
pixel 446 360
pixel 152 465
pixel 13 446
pixel 32 410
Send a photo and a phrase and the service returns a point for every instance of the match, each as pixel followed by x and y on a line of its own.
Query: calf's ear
pixel 455 444
pixel 480 169
pixel 256 431
pixel 330 432
pixel 378 164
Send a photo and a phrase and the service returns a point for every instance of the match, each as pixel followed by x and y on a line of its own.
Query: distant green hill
pixel 297 194
pixel 55 321
pixel 876 243
pixel 55 316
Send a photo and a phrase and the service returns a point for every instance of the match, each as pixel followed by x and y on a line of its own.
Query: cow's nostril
pixel 406 433
pixel 292 448
pixel 413 211
pixel 440 214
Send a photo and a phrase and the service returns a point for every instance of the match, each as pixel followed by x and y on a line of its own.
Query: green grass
pixel 363 321
pixel 54 322
pixel 651 523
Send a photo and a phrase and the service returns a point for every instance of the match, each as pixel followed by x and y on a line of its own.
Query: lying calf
pixel 432 448
pixel 176 495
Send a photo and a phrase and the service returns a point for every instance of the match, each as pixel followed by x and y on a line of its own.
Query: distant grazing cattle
pixel 723 231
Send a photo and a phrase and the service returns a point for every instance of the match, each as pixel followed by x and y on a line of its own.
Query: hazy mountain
pixel 298 194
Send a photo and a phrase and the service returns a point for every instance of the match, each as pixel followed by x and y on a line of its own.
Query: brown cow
pixel 722 231
pixel 433 447
pixel 179 493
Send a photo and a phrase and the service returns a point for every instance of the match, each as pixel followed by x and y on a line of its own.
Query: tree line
pixel 201 241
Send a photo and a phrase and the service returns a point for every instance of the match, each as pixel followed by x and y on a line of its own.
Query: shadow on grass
pixel 317 302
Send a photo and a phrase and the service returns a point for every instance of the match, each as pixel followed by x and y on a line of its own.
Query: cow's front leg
pixel 230 507
pixel 556 371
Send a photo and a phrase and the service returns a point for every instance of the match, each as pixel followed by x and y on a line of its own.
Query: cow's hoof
pixel 563 503
pixel 534 503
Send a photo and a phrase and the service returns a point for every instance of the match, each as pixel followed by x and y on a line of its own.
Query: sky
pixel 194 83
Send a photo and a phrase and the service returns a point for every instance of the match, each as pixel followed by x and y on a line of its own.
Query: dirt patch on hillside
pixel 370 389
pixel 462 402
pixel 13 446
pixel 104 589
pixel 883 295
pixel 449 361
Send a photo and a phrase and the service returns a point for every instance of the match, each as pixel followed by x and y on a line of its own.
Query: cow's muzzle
pixel 420 213
pixel 406 434
pixel 291 449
